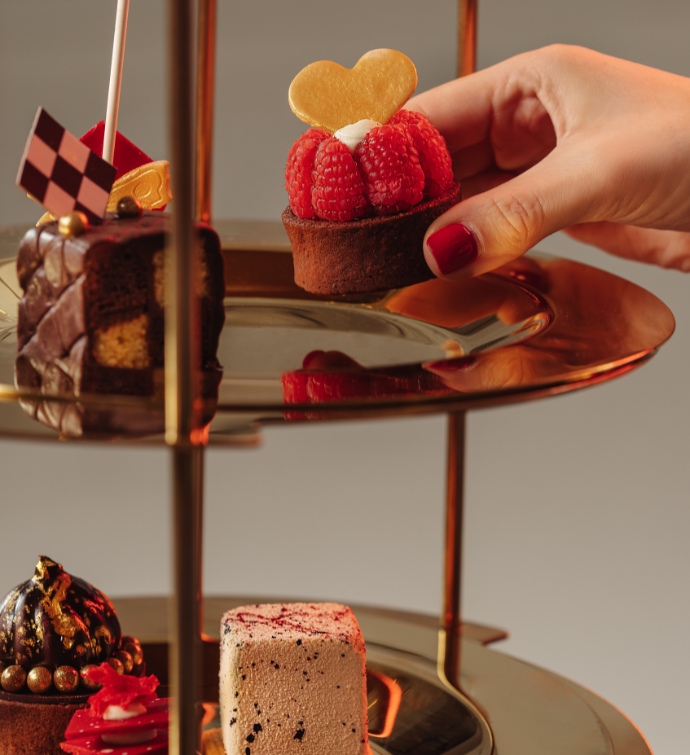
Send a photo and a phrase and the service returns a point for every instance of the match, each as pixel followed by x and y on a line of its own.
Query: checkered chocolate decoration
pixel 62 173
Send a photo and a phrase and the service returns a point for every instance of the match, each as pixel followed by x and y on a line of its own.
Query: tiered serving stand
pixel 537 327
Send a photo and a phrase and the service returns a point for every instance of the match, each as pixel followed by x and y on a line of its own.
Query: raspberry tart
pixel 363 192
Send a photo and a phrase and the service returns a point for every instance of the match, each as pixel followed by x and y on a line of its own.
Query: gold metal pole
pixel 205 110
pixel 181 373
pixel 450 630
pixel 185 660
pixel 451 623
pixel 467 37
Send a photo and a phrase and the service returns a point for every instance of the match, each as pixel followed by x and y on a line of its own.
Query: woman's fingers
pixel 666 248
pixel 563 137
pixel 493 227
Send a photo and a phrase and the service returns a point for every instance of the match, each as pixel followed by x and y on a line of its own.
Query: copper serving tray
pixel 536 327
pixel 503 705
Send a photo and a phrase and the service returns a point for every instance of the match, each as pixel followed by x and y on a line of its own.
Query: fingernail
pixel 453 247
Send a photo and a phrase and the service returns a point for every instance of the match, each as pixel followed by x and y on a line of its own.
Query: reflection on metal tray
pixel 535 327
pixel 505 706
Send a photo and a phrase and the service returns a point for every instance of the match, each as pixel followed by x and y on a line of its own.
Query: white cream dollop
pixel 354 133
pixel 118 713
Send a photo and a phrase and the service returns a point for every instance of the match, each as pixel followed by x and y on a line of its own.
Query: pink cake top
pixel 296 621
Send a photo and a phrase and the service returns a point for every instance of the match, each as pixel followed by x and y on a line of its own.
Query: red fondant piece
pixel 120 689
pixel 127 155
pixel 94 744
pixel 85 723
pixel 87 728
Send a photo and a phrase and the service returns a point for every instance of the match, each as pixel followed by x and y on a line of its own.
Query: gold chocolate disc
pixel 326 95
pixel 149 184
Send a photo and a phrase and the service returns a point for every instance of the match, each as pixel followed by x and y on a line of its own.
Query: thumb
pixel 490 229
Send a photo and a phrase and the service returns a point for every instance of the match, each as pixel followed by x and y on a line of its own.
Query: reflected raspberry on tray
pixel 328 377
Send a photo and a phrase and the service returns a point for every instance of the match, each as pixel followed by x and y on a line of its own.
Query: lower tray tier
pixel 504 706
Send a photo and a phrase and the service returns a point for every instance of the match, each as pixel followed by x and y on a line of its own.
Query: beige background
pixel 577 515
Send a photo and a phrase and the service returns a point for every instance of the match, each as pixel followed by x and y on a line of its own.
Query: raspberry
pixel 431 148
pixel 338 191
pixel 300 163
pixel 393 177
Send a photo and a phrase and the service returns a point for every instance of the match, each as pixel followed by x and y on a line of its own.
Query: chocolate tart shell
pixel 35 724
pixel 371 254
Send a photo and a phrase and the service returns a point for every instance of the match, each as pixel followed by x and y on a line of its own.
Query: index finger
pixel 465 109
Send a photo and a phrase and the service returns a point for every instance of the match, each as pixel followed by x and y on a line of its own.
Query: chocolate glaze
pixel 75 286
pixel 55 619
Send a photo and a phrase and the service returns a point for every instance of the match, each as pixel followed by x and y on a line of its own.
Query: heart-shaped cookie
pixel 329 96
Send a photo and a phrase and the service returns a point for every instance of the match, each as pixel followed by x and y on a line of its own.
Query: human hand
pixel 563 138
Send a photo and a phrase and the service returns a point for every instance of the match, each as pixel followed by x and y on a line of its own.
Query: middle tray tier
pixel 537 326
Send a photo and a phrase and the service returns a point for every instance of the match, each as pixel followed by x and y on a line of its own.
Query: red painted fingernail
pixel 453 247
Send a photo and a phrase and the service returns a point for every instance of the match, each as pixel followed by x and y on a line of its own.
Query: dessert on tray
pixel 125 717
pixel 366 180
pixel 53 629
pixel 91 317
pixel 293 680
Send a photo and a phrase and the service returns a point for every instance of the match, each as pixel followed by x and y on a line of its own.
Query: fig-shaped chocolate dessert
pixel 53 627
pixel 54 619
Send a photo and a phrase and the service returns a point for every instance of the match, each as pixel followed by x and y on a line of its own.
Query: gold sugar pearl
pixel 125 659
pixel 39 680
pixel 117 664
pixel 66 679
pixel 129 207
pixel 73 224
pixel 13 678
pixel 84 676
pixel 134 649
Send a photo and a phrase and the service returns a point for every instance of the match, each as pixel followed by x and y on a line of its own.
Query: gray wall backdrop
pixel 577 506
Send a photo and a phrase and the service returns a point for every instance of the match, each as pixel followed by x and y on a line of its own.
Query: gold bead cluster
pixel 66 679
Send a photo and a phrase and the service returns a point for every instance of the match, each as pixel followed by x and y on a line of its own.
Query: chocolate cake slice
pixel 91 320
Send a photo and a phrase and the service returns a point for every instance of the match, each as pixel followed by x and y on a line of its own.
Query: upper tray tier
pixel 538 326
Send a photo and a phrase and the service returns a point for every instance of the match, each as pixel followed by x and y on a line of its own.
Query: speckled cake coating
pixel 293 680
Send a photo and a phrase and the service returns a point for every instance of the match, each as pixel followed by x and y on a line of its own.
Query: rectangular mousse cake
pixel 293 680
pixel 91 318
